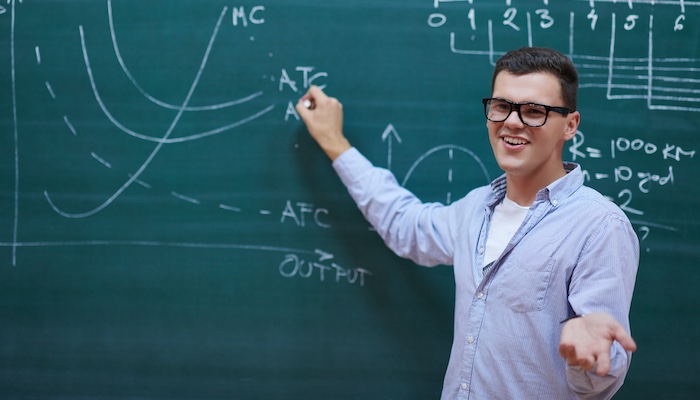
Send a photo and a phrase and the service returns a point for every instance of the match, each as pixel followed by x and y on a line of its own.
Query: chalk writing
pixel 295 266
pixel 297 212
pixel 308 77
pixel 254 16
pixel 644 181
pixel 628 169
pixel 666 83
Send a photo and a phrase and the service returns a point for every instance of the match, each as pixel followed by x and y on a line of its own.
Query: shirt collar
pixel 555 192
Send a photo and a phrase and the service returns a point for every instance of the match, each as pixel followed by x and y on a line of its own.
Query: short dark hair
pixel 529 60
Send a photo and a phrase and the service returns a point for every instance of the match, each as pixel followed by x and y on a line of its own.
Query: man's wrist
pixel 571 317
pixel 334 150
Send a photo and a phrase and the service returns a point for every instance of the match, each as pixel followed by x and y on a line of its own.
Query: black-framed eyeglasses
pixel 531 114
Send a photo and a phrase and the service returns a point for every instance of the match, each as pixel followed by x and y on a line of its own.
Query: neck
pixel 523 189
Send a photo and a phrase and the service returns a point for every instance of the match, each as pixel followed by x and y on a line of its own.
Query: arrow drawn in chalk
pixel 389 135
pixel 323 256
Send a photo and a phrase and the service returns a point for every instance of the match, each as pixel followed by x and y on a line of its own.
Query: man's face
pixel 523 151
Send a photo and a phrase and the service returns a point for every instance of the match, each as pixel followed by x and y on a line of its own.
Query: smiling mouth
pixel 514 141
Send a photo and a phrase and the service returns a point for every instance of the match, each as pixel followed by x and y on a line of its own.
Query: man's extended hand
pixel 323 117
pixel 586 341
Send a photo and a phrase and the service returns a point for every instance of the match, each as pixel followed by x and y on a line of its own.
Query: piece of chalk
pixel 307 103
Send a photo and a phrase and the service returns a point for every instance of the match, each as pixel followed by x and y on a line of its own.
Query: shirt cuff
pixel 583 381
pixel 351 165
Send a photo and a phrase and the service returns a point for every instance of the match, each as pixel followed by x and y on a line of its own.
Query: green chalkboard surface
pixel 169 230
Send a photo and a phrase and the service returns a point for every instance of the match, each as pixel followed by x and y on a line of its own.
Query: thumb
pixel 624 339
pixel 302 108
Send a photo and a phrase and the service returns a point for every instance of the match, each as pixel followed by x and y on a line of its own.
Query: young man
pixel 544 266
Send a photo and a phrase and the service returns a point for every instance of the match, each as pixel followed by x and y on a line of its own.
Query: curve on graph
pixel 445 147
pixel 159 144
pixel 147 95
pixel 156 139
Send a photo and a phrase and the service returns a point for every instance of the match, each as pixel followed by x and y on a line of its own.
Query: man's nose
pixel 514 120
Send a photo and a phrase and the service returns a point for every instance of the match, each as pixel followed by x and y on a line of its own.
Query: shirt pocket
pixel 524 283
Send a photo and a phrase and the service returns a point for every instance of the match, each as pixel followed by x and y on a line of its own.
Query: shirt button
pixel 463 386
pixel 481 249
pixel 555 202
pixel 470 339
pixel 480 295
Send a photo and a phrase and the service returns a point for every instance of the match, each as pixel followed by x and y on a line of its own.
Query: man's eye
pixel 535 111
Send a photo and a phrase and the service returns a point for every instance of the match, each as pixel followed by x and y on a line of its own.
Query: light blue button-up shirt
pixel 575 253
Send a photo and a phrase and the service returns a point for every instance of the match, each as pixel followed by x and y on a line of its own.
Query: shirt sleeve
pixel 589 383
pixel 603 281
pixel 419 231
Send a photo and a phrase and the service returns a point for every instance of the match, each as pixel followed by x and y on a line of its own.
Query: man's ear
pixel 572 122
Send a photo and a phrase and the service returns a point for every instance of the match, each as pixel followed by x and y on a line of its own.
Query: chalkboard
pixel 169 230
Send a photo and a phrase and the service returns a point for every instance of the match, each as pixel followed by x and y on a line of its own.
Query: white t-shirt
pixel 505 221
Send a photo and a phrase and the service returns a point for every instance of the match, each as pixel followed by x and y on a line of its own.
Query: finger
pixel 310 99
pixel 625 339
pixel 565 351
pixel 310 104
pixel 302 110
pixel 304 105
pixel 603 364
pixel 587 363
pixel 313 96
pixel 315 92
pixel 572 359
